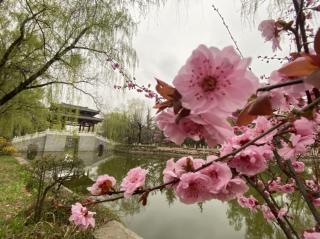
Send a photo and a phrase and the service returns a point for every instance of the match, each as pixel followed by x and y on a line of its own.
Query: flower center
pixel 209 83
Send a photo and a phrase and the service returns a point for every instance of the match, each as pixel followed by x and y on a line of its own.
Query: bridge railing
pixel 56 132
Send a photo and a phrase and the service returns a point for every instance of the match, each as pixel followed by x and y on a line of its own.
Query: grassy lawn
pixel 13 194
pixel 15 208
pixel 14 197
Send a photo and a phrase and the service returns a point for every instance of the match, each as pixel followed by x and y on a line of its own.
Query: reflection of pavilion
pixel 75 115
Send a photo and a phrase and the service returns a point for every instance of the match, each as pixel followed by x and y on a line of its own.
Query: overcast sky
pixel 167 35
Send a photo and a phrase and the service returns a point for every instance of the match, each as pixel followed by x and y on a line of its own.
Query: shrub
pixel 6 148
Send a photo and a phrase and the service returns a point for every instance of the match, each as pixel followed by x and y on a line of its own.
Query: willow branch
pixel 19 39
pixel 56 82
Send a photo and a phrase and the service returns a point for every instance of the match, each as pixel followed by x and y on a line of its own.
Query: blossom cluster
pixel 215 97
pixel 105 185
pixel 211 86
pixel 213 182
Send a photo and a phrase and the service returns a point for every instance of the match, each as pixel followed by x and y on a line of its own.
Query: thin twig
pixel 275 86
pixel 227 28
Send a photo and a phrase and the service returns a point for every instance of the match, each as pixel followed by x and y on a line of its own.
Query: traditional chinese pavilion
pixel 75 115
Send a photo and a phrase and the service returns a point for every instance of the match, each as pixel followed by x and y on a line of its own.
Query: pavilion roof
pixel 78 107
pixel 83 118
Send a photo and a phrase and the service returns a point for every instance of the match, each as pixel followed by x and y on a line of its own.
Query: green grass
pixel 14 197
pixel 13 193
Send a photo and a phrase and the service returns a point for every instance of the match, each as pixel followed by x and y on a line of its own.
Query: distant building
pixel 74 115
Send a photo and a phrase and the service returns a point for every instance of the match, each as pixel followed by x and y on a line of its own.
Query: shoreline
pixel 152 149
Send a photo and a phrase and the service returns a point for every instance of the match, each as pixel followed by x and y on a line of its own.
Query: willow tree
pixel 45 43
pixel 24 114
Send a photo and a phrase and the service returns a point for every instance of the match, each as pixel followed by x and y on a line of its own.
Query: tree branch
pixel 18 41
pixel 23 85
pixel 56 82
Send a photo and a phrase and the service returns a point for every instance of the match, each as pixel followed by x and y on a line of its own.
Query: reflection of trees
pixel 258 228
pixel 255 225
pixel 125 207
pixel 120 164
pixel 170 196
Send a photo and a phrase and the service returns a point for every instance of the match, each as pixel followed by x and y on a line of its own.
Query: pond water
pixel 165 216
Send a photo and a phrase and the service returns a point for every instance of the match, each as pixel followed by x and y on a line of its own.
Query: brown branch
pixel 275 86
pixel 272 207
pixel 289 171
pixel 303 191
pixel 22 86
pixel 41 30
pixel 93 50
pixel 56 82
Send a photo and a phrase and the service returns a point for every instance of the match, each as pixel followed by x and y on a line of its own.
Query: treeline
pixel 134 124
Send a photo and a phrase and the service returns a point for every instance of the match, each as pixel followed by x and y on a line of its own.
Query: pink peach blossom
pixel 81 217
pixel 304 127
pixel 311 235
pixel 187 164
pixel 193 188
pixel 174 170
pixel 134 179
pixel 282 212
pixel 274 185
pixel 312 185
pixel 204 126
pixel 248 202
pixel 270 32
pixel 215 80
pixel 316 202
pixel 220 174
pixel 267 213
pixel 169 173
pixel 262 124
pixel 249 162
pixel 232 190
pixel 287 188
pixel 293 91
pixel 298 146
pixel 298 166
pixel 103 185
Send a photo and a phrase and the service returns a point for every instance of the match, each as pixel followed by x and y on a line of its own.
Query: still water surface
pixel 166 217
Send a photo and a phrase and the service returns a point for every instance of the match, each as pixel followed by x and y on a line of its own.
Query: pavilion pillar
pixel 93 128
pixel 79 127
pixel 88 128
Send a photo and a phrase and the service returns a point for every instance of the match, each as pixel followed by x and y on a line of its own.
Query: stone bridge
pixel 59 141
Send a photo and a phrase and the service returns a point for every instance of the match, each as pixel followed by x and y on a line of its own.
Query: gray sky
pixel 167 36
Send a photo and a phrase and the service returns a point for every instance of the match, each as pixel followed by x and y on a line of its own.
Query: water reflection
pixel 87 157
pixel 257 227
pixel 164 216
